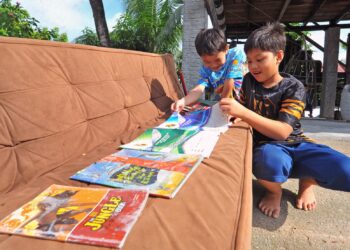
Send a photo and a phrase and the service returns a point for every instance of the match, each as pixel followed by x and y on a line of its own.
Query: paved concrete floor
pixel 328 227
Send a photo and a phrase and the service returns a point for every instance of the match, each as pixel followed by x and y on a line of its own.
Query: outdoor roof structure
pixel 239 17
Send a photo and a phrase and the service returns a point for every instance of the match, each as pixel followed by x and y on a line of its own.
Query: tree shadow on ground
pixel 262 221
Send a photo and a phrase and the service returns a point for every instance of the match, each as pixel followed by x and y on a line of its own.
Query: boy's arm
pixel 228 88
pixel 274 129
pixel 194 94
pixel 190 98
pixel 236 71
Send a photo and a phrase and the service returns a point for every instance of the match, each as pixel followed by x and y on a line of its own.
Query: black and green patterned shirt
pixel 284 102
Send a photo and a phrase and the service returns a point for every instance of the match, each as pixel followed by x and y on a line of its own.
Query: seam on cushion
pixel 148 85
pixel 64 161
pixel 143 68
pixel 24 90
pixel 89 83
pixel 165 65
pixel 177 87
pixel 122 92
pixel 10 121
pixel 80 101
pixel 64 77
pixel 130 107
pixel 81 92
pixel 64 86
pixel 67 129
pixel 133 118
pixel 9 188
pixel 59 65
pixel 245 172
pixel 242 186
pixel 238 211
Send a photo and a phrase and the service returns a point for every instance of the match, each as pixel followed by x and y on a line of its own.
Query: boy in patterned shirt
pixel 222 68
pixel 273 103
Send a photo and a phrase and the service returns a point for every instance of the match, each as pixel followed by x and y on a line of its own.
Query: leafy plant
pixel 296 37
pixel 15 21
pixel 150 25
pixel 89 37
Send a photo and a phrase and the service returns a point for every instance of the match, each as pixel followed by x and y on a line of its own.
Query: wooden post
pixel 330 72
pixel 347 68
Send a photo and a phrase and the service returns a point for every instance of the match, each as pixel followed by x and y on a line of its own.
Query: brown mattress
pixel 64 106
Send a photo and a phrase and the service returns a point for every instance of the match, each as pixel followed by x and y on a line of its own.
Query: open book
pixel 194 132
pixel 199 116
pixel 177 141
pixel 162 174
pixel 102 217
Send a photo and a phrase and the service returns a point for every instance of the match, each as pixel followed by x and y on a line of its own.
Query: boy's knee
pixel 271 163
pixel 340 177
pixel 344 174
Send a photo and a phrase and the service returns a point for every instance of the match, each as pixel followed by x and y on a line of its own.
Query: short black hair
pixel 210 41
pixel 270 37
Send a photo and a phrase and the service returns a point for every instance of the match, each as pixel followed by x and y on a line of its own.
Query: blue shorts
pixel 277 163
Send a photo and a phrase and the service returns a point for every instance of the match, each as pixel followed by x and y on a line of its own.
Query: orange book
pixel 93 216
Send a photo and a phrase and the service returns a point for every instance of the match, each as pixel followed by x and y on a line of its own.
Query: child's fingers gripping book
pixel 198 117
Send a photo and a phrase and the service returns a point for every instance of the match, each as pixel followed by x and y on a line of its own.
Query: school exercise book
pixel 92 216
pixel 163 174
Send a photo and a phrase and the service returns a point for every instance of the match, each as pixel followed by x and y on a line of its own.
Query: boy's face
pixel 214 61
pixel 263 65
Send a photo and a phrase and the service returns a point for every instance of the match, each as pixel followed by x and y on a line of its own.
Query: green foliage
pixel 147 25
pixel 297 37
pixel 343 46
pixel 150 25
pixel 124 34
pixel 15 21
pixel 89 37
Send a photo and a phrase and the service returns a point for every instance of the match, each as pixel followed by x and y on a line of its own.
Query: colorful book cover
pixel 198 117
pixel 163 174
pixel 177 141
pixel 161 140
pixel 101 217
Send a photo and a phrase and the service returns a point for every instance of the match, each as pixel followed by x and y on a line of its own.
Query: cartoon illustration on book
pixel 198 117
pixel 162 174
pixel 102 217
pixel 57 214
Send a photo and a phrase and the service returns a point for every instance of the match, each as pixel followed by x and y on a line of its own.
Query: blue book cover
pixel 162 174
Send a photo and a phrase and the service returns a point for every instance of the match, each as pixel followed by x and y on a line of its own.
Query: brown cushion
pixel 64 106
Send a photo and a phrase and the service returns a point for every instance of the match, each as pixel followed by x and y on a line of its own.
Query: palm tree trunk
pixel 100 22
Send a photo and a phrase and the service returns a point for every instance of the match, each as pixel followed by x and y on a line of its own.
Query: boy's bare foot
pixel 306 198
pixel 270 204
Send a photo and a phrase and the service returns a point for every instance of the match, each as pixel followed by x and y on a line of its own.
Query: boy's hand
pixel 231 107
pixel 178 105
pixel 236 120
